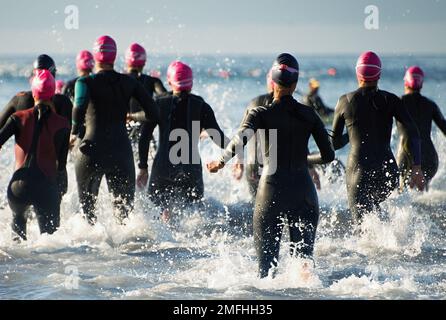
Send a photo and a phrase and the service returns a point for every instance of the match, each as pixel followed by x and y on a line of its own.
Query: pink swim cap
pixel 105 50
pixel 43 85
pixel 135 56
pixel 179 76
pixel 59 86
pixel 368 67
pixel 85 61
pixel 414 78
pixel 269 80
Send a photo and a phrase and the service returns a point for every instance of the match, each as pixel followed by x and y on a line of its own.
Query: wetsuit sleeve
pixel 81 100
pixel 247 130
pixel 8 130
pixel 339 139
pixel 160 90
pixel 208 121
pixel 62 138
pixel 146 134
pixel 409 128
pixel 439 119
pixel 8 111
pixel 148 105
pixel 322 140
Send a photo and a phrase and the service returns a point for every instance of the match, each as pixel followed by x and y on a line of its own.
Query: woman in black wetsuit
pixel 84 67
pixel 102 103
pixel 286 188
pixel 423 111
pixel 176 179
pixel 368 113
pixel 41 155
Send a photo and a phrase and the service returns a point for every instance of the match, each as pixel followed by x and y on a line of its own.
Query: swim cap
pixel 43 85
pixel 105 50
pixel 59 86
pixel 45 62
pixel 414 78
pixel 135 56
pixel 314 83
pixel 85 61
pixel 180 76
pixel 285 70
pixel 368 67
pixel 269 80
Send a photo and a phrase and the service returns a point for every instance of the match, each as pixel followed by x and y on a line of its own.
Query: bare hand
pixel 214 166
pixel 417 178
pixel 237 171
pixel 315 176
pixel 143 177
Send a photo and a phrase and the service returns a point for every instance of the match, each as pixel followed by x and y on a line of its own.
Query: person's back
pixel 423 111
pixel 368 114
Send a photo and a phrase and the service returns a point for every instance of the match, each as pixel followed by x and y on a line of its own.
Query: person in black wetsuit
pixel 24 100
pixel 423 111
pixel 102 103
pixel 136 58
pixel 84 67
pixel 372 172
pixel 176 179
pixel 41 155
pixel 286 188
pixel 312 99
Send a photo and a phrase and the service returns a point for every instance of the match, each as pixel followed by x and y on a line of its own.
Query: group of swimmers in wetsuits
pixel 90 118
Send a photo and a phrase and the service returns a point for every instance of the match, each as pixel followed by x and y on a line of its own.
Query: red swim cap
pixel 85 61
pixel 59 86
pixel 368 67
pixel 180 76
pixel 43 85
pixel 135 56
pixel 414 78
pixel 105 50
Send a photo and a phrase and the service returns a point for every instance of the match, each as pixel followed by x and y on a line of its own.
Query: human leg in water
pixel 121 182
pixel 88 176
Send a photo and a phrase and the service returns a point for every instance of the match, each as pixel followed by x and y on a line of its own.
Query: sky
pixel 227 26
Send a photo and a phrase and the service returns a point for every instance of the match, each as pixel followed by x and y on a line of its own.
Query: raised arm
pixel 81 100
pixel 322 140
pixel 439 119
pixel 339 139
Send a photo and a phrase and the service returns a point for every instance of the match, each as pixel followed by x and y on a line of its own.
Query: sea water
pixel 209 254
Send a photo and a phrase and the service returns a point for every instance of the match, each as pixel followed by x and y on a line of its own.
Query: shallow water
pixel 210 254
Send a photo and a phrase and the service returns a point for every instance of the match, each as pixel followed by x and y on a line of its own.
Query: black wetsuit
pixel 68 89
pixel 41 155
pixel 423 111
pixel 286 188
pixel 254 161
pixel 313 100
pixel 102 103
pixel 24 100
pixel 177 184
pixel 154 87
pixel 372 172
